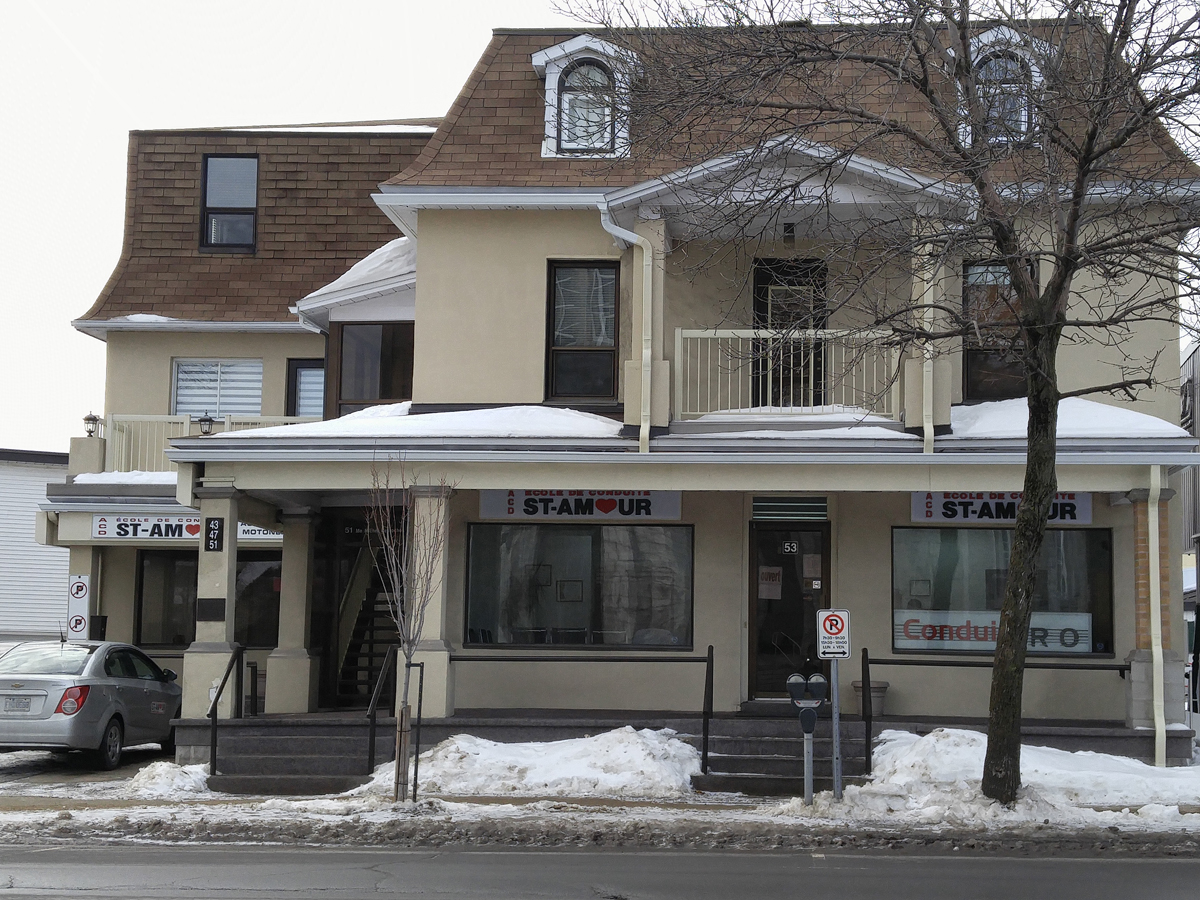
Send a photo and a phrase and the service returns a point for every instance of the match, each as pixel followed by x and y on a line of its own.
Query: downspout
pixel 631 237
pixel 927 400
pixel 1156 647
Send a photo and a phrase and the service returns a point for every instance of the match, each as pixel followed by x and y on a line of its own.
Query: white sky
pixel 78 76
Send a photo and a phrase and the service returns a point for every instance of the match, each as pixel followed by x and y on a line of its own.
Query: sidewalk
pixel 924 796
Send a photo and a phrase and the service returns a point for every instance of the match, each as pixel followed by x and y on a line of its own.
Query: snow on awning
pixel 1077 418
pixel 381 287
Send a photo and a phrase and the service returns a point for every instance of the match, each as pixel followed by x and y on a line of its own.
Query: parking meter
pixel 808 694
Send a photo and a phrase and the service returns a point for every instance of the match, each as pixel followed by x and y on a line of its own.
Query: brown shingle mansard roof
pixel 315 220
pixel 492 135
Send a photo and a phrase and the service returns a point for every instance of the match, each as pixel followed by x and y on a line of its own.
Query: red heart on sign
pixel 192 529
pixel 606 506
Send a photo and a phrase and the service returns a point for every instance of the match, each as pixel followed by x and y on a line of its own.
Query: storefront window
pixel 166 608
pixel 610 585
pixel 948 584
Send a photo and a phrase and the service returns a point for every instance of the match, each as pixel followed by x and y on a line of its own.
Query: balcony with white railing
pixel 138 443
pixel 765 372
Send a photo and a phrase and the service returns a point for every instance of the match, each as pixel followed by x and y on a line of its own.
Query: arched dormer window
pixel 586 109
pixel 1005 85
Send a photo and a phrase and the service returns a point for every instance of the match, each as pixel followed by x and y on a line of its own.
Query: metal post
pixel 808 768
pixel 708 709
pixel 417 737
pixel 253 667
pixel 837 731
pixel 866 708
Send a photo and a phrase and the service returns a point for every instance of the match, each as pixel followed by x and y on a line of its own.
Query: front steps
pixel 286 754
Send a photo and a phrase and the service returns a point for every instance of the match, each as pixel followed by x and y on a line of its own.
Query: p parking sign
pixel 833 634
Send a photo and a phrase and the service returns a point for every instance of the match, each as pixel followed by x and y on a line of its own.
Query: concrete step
pixel 764 785
pixel 229 763
pixel 780 765
pixel 303 785
pixel 311 745
pixel 773 746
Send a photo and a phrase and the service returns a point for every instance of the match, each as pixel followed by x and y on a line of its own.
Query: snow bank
pixel 1077 418
pixel 620 763
pixel 934 779
pixel 167 781
pixel 394 421
pixel 127 478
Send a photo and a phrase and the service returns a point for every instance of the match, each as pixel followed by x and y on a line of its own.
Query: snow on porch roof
pixel 1077 418
pixel 393 421
pixel 390 268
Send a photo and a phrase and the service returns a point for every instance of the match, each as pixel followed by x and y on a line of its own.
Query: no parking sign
pixel 78 601
pixel 833 634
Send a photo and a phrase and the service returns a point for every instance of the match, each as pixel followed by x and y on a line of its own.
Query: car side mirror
pixel 169 674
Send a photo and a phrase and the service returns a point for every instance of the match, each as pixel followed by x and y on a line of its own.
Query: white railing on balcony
pixel 138 443
pixel 803 371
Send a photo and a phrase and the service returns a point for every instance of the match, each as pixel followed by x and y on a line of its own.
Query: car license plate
pixel 16 704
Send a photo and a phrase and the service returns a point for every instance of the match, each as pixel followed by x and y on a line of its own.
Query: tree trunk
pixel 403 730
pixel 1002 764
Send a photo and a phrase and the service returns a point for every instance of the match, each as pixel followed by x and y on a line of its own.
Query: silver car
pixel 85 695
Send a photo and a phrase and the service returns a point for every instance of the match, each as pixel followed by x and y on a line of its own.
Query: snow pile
pixel 393 421
pixel 135 477
pixel 167 781
pixel 934 780
pixel 620 763
pixel 1077 418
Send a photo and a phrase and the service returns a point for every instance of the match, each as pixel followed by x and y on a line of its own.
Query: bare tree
pixel 409 549
pixel 1051 141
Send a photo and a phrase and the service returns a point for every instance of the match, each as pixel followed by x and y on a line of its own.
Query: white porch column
pixel 292 669
pixel 433 649
pixel 205 660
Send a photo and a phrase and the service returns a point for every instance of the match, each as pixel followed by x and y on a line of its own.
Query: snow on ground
pixel 168 781
pixel 934 780
pixel 394 421
pixel 624 762
pixel 1077 418
pixel 631 786
pixel 135 477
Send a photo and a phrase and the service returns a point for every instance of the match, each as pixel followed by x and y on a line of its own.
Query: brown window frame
pixel 611 145
pixel 552 396
pixel 335 404
pixel 970 352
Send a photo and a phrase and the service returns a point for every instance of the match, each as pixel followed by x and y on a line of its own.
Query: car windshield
pixel 45 659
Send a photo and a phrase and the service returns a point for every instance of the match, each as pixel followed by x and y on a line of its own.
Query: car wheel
pixel 108 754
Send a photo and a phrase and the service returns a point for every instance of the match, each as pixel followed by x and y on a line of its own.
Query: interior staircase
pixel 374 632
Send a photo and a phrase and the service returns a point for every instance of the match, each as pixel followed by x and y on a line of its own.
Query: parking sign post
pixel 833 643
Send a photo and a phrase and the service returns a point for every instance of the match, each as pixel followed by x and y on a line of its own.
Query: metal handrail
pixel 235 660
pixel 373 708
pixel 707 659
pixel 867 662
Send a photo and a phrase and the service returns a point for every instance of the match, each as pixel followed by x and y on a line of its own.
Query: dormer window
pixel 585 79
pixel 1004 82
pixel 586 109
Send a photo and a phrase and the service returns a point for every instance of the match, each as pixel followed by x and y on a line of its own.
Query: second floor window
pixel 582 354
pixel 586 110
pixel 375 365
pixel 1004 85
pixel 991 369
pixel 306 387
pixel 230 202
pixel 218 387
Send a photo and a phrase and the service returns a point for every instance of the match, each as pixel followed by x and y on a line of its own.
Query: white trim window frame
pixel 217 387
pixel 555 63
pixel 1005 43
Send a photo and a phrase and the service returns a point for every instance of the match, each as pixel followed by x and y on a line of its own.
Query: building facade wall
pixel 140 365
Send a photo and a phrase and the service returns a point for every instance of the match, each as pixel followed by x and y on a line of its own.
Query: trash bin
pixel 878 691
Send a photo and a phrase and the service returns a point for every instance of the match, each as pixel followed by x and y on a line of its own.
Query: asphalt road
pixel 163 872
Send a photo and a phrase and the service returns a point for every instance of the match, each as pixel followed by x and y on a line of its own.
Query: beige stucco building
pixel 645 456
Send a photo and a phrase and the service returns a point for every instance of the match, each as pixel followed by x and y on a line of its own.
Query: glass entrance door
pixel 789 582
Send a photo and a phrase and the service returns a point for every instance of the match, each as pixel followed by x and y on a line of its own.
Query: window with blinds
pixel 219 387
pixel 230 202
